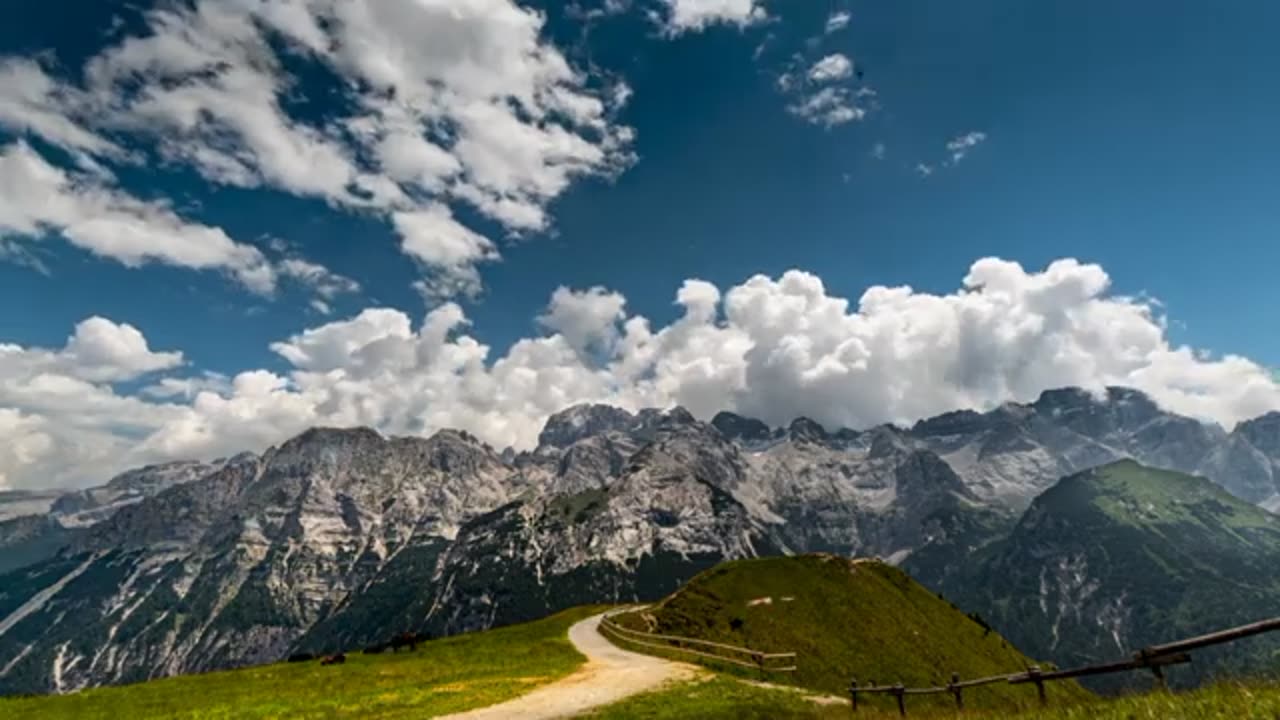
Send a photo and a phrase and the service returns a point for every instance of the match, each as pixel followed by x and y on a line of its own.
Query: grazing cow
pixel 404 639
pixel 337 659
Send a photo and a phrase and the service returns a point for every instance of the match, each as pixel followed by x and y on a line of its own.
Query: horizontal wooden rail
pixel 951 687
pixel 891 689
pixel 758 660
pixel 1103 669
pixel 1154 658
pixel 699 653
pixel 694 641
pixel 1214 638
pixel 924 690
pixel 981 681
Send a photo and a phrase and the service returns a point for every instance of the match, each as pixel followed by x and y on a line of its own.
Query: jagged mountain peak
pixel 684 446
pixel 1263 432
pixel 802 429
pixel 1126 405
pixel 741 428
pixel 357 451
pixel 578 422
pixel 955 422
pixel 678 416
pixel 1011 412
pixel 922 475
pixel 1100 416
pixel 1075 396
pixel 1270 419
pixel 886 441
pixel 1006 436
pixel 1132 407
pixel 1066 397
pixel 319 436
pixel 649 416
pixel 239 458
pixel 581 422
pixel 449 436
pixel 147 475
pixel 1121 394
pixel 85 507
pixel 973 422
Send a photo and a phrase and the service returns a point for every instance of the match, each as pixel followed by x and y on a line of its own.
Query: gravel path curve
pixel 609 675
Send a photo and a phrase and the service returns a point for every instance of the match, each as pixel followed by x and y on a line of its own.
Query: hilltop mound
pixel 844 618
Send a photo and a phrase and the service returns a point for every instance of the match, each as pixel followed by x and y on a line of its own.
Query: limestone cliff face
pixel 234 567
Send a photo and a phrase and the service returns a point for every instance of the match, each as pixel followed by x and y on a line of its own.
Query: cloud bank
pixel 773 348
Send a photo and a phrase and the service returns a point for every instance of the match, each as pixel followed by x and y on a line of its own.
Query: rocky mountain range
pixel 35 525
pixel 341 537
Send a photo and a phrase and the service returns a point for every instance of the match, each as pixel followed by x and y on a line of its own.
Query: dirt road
pixel 609 675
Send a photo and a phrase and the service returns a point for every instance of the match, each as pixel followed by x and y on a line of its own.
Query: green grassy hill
pixel 844 619
pixel 442 676
pixel 1123 556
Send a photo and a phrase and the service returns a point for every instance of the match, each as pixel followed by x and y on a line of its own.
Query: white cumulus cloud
pixel 432 236
pixel 99 351
pixel 770 347
pixel 837 21
pixel 585 319
pixel 829 107
pixel 103 350
pixel 959 146
pixel 832 67
pixel 693 15
pixel 824 91
pixel 38 198
pixel 445 103
pixel 26 444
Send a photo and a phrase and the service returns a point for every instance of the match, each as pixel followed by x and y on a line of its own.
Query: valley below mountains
pixel 1079 525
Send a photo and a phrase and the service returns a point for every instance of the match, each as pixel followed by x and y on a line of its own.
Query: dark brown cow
pixel 337 659
pixel 405 639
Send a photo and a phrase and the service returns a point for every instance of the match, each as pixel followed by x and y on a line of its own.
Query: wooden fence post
pixel 1034 673
pixel 853 693
pixel 956 690
pixel 1159 673
pixel 1145 657
pixel 900 691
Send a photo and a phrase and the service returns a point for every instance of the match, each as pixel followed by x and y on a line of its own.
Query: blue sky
pixel 1135 137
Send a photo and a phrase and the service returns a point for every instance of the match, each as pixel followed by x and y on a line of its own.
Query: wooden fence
pixel 1154 658
pixel 705 649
